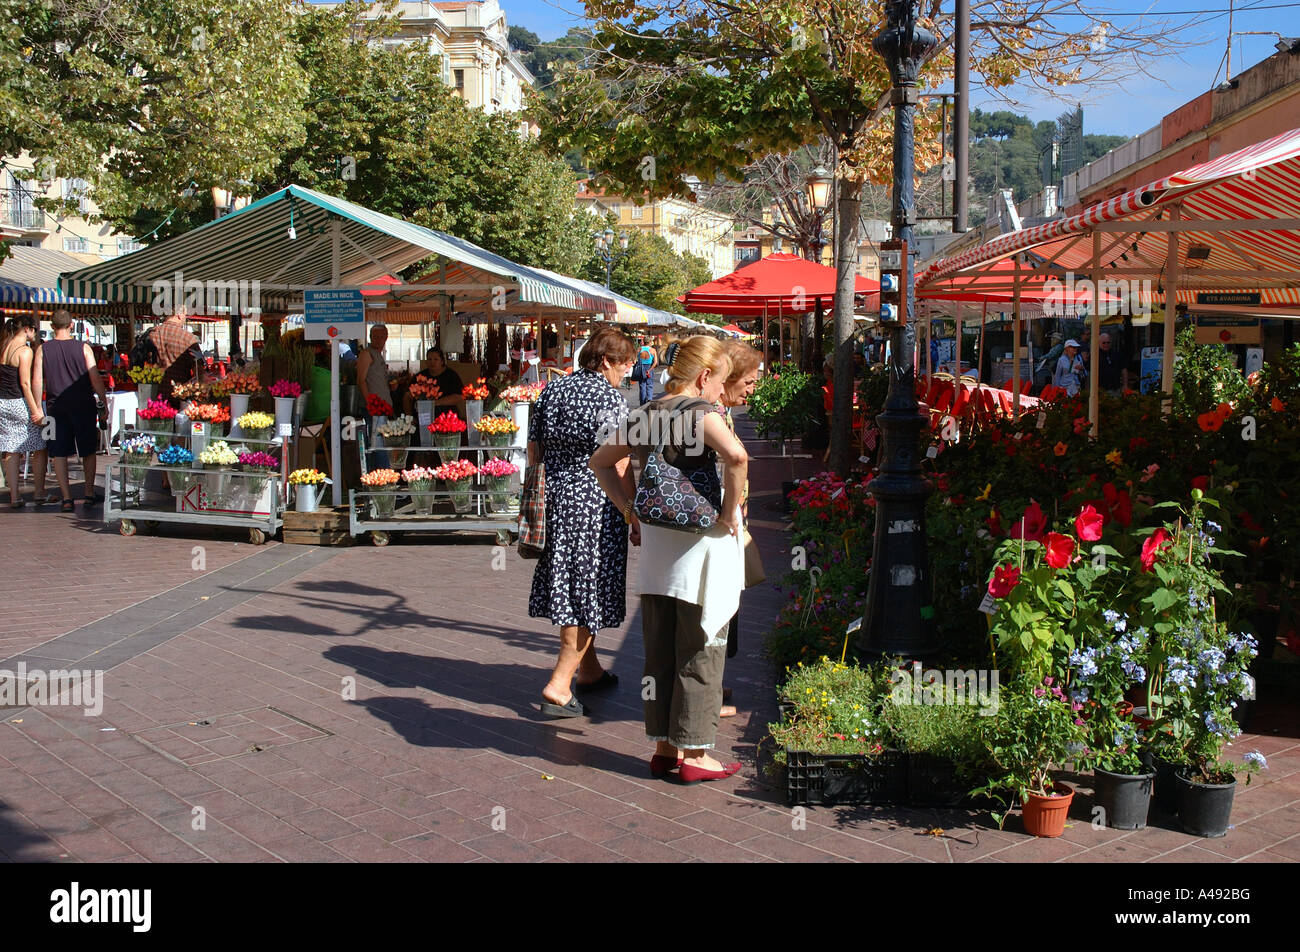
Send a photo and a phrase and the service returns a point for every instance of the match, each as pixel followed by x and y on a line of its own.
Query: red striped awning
pixel 1239 215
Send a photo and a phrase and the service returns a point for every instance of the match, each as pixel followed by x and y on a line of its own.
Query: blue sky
pixel 1137 108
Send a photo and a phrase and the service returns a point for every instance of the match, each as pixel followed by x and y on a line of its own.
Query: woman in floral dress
pixel 581 578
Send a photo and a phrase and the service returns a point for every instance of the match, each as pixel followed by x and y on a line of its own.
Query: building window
pixel 460 82
pixel 636 211
pixel 127 245
pixel 446 69
pixel 76 246
pixel 77 190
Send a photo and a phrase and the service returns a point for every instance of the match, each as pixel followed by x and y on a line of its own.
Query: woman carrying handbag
pixel 692 563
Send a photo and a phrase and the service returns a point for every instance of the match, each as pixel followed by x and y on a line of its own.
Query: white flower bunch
pixel 398 426
pixel 218 454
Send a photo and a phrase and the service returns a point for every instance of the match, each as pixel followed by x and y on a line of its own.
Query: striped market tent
pixel 29 279
pixel 1223 236
pixel 285 244
pixel 1238 215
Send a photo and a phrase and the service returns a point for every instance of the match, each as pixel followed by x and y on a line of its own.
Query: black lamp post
pixel 900 614
pixel 605 248
pixel 819 193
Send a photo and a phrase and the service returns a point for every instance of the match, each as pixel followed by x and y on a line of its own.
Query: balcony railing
pixel 17 211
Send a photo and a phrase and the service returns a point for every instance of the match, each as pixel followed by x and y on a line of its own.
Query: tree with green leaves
pixel 705 87
pixel 651 272
pixel 146 98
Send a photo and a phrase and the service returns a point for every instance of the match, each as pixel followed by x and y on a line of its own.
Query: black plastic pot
pixel 1204 808
pixel 1166 784
pixel 1126 798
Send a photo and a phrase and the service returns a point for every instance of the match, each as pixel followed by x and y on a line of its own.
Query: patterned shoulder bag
pixel 666 497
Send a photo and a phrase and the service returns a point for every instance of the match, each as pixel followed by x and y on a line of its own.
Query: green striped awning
pixel 250 254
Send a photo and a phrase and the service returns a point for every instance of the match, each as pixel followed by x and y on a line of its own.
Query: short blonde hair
pixel 694 356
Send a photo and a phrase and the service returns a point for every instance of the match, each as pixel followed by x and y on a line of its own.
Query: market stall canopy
pixel 1238 218
pixel 29 278
pixel 284 243
pixel 779 283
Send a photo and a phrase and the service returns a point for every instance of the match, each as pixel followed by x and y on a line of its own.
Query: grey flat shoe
pixel 572 709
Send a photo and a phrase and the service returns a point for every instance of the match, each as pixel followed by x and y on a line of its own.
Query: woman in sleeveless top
pixel 21 416
pixel 690 582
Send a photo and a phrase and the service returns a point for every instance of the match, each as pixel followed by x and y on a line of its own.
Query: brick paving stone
pixel 444 727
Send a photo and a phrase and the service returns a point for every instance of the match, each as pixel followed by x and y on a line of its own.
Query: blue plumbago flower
pixel 1110 615
pixel 1085 661
pixel 1255 757
pixel 1228 730
pixel 1214 526
pixel 1210 658
pixel 1179 672
pixel 1135 671
pixel 1079 695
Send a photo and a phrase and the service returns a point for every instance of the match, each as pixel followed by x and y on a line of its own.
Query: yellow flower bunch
pixel 306 477
pixel 146 373
pixel 495 426
pixel 255 420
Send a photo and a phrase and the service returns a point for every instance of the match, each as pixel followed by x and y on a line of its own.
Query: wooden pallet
pixel 324 527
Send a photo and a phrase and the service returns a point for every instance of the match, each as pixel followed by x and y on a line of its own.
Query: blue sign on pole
pixel 333 314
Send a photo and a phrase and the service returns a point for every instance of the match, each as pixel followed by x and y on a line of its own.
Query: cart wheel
pixel 379 538
pixel 505 537
pixel 256 536
pixel 126 527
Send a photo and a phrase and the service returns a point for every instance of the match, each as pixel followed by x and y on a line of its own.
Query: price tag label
pixel 1042 420
pixel 285 429
pixel 853 625
pixel 989 605
pixel 196 429
pixel 426 417
pixel 932 452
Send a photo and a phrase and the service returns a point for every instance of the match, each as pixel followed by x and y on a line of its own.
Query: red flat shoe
pixel 660 764
pixel 690 774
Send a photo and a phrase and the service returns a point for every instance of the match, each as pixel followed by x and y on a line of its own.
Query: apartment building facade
pixel 22 222
pixel 687 227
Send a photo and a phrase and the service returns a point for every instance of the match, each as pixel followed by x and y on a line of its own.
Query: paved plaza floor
pixel 293 703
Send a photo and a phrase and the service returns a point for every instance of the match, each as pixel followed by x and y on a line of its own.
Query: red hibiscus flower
pixel 1201 482
pixel 1276 405
pixel 1118 506
pixel 1088 524
pixel 1034 523
pixel 1210 422
pixel 1151 548
pixel 994 522
pixel 1005 578
pixel 1059 550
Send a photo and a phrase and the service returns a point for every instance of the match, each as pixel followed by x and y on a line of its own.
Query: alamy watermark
pixel 37 688
pixel 205 298
pixel 972 686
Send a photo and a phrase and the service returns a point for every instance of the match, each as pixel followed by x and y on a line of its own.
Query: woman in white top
pixel 690 582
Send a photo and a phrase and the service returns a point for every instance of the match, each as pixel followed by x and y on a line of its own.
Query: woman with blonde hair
pixel 690 581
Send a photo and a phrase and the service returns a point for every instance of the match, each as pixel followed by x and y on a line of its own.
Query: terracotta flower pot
pixel 1045 816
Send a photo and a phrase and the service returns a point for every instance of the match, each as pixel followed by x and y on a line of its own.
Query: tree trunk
pixel 846 243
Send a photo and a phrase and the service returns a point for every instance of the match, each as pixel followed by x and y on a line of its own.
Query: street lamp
pixel 605 248
pixel 818 185
pixel 899 618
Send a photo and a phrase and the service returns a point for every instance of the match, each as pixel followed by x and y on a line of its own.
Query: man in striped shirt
pixel 178 352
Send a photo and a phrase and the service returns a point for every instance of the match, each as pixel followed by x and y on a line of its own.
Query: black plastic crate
pixel 933 782
pixel 834 779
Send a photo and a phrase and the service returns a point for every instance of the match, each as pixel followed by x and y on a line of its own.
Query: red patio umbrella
pixel 778 284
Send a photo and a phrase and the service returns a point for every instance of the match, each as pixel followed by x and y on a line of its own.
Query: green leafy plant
pixel 784 402
pixel 834 709
pixel 1037 729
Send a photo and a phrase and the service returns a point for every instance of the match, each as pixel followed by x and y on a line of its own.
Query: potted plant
pixel 146 378
pixel 496 431
pixel 137 454
pixel 242 386
pixel 458 474
pixel 1102 672
pixel 1037 729
pixel 831 741
pixel 446 430
pixel 498 473
pixel 256 426
pixel 419 480
pixel 782 406
pixel 157 418
pixel 474 396
pixel 396 433
pixel 286 394
pixel 178 461
pixel 218 457
pixel 424 392
pixel 380 482
pixel 308 485
pixel 262 466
